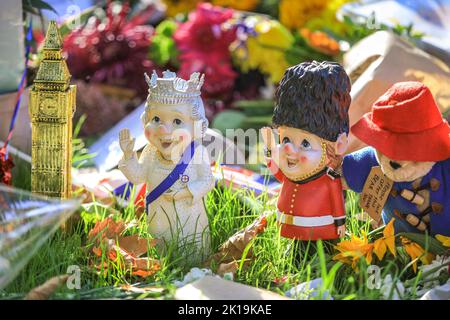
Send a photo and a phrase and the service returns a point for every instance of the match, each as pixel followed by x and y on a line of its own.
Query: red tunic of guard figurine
pixel 311 118
pixel 313 207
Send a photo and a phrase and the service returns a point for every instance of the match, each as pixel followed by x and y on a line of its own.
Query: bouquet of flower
pixel 113 49
pixel 394 255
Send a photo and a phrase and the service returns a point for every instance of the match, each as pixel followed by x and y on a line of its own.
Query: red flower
pixel 280 280
pixel 203 42
pixel 5 167
pixel 38 36
pixel 112 51
pixel 204 30
pixel 219 75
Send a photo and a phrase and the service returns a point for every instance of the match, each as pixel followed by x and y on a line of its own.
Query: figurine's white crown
pixel 172 90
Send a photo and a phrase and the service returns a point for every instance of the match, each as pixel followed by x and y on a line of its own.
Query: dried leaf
pixel 147 264
pixel 227 267
pixel 126 250
pixel 143 273
pixel 97 251
pixel 107 228
pixel 102 267
pixel 135 245
pixel 131 262
pixel 139 211
pixel 44 291
pixel 233 248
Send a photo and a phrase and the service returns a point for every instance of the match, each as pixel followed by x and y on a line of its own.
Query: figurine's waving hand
pixel 271 152
pixel 126 143
pixel 135 170
pixel 268 139
pixel 269 142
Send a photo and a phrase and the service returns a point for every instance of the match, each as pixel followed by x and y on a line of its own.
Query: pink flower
pixel 203 42
pixel 5 167
pixel 204 30
pixel 280 280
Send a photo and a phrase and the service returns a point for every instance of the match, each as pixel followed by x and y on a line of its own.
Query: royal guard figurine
pixel 311 118
pixel 410 141
pixel 174 165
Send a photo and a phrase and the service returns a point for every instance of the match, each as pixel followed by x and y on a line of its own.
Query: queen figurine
pixel 174 164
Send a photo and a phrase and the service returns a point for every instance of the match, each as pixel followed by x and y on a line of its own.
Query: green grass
pixel 228 212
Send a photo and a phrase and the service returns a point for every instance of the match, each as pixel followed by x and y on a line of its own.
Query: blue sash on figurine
pixel 168 182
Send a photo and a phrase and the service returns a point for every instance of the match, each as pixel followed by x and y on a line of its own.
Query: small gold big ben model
pixel 52 104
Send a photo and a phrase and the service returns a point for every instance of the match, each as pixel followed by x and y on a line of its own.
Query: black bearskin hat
pixel 314 97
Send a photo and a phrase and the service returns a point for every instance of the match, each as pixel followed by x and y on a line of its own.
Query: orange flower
pixel 320 41
pixel 386 242
pixel 415 251
pixel 352 250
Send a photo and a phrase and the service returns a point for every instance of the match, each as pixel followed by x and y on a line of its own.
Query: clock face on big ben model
pixel 48 107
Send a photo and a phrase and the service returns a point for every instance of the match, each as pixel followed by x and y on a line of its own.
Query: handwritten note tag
pixel 375 193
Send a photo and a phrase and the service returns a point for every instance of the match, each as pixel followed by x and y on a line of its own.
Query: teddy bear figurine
pixel 410 141
pixel 311 119
pixel 174 164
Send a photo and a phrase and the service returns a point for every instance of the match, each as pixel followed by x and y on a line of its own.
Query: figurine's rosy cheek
pixel 184 135
pixel 304 159
pixel 148 133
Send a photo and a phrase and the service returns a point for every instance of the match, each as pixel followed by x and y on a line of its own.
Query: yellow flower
pixel 386 242
pixel 175 7
pixel 266 50
pixel 415 251
pixel 294 14
pixel 352 250
pixel 246 5
pixel 314 14
pixel 327 19
pixel 444 240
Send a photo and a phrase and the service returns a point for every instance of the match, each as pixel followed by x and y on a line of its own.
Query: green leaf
pixel 254 104
pixel 256 107
pixel 163 49
pixel 256 122
pixel 37 4
pixel 166 28
pixel 66 26
pixel 229 119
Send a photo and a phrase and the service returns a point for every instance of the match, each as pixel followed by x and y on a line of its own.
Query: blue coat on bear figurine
pixel 434 188
pixel 410 141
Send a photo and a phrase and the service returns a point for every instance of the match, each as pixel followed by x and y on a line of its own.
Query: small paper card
pixel 375 193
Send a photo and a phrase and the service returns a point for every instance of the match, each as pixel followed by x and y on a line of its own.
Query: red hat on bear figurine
pixel 406 124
